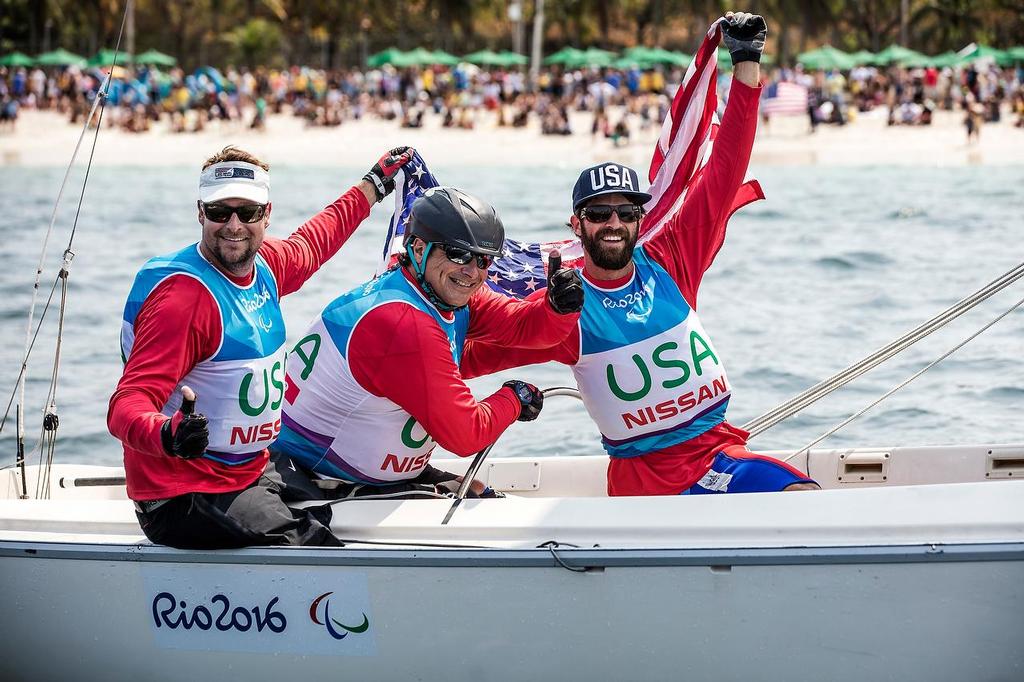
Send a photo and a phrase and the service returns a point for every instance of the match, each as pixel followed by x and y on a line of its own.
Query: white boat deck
pixel 908 566
pixel 877 496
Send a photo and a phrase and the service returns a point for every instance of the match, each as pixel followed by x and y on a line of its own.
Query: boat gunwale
pixel 539 557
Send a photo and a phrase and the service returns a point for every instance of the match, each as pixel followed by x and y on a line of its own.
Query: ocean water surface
pixel 833 265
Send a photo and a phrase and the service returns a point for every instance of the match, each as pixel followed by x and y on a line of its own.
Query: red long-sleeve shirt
pixel 177 327
pixel 400 353
pixel 686 247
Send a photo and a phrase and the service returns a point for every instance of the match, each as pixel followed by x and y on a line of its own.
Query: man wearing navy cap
pixel 646 368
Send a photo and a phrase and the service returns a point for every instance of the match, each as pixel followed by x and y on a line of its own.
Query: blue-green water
pixel 836 263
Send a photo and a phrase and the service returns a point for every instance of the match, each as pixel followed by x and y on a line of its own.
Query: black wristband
pixel 378 186
pixel 166 437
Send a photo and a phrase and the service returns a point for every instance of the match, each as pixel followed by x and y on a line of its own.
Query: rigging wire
pixel 794 405
pixel 100 104
pixel 48 436
pixel 860 412
pixel 24 364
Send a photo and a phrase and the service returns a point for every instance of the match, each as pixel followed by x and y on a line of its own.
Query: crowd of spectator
pixel 466 96
pixel 983 92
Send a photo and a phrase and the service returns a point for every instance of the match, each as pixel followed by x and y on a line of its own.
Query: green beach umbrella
pixel 444 58
pixel 683 59
pixel 660 55
pixel 973 52
pixel 645 56
pixel 946 59
pixel 60 57
pixel 897 54
pixel 155 57
pixel 16 59
pixel 630 63
pixel 483 58
pixel 563 55
pixel 639 53
pixel 863 57
pixel 825 57
pixel 919 61
pixel 1016 53
pixel 383 57
pixel 592 56
pixel 417 57
pixel 512 58
pixel 106 58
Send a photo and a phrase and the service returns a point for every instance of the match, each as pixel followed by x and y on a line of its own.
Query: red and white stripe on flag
pixel 687 137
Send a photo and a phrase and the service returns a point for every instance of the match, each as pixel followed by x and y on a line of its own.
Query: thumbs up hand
pixel 186 434
pixel 565 288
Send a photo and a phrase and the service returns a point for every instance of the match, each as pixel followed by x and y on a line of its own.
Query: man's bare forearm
pixel 748 73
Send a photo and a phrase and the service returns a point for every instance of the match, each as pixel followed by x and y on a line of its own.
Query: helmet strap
pixel 420 269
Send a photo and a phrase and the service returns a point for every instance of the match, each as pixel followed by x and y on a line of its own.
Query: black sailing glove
pixel 190 436
pixel 382 175
pixel 565 288
pixel 531 400
pixel 744 36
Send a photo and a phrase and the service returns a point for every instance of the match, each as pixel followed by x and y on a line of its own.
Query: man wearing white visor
pixel 203 340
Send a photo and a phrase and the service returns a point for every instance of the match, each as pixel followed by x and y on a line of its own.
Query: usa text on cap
pixel 608 178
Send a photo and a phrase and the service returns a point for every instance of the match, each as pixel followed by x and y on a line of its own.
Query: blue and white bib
pixel 334 426
pixel 648 373
pixel 240 388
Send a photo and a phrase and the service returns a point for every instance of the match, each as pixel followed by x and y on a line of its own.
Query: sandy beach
pixel 47 139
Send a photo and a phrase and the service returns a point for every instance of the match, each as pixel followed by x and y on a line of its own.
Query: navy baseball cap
pixel 608 178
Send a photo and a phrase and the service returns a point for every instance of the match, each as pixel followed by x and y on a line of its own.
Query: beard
pixel 234 259
pixel 610 256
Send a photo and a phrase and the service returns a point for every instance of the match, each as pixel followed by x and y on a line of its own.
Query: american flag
pixel 682 151
pixel 518 272
pixel 788 98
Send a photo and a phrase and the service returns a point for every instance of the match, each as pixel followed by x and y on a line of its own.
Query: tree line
pixel 338 33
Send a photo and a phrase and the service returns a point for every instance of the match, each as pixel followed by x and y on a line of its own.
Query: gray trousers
pixel 256 515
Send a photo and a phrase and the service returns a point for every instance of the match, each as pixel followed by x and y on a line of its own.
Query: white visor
pixel 234 180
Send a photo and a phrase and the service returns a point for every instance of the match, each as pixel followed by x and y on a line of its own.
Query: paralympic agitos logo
pixel 332 624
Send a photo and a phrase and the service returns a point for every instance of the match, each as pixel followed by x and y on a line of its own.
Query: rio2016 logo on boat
pixel 333 624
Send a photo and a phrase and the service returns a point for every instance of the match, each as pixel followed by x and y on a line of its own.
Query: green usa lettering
pixel 407 438
pixel 273 383
pixel 700 351
pixel 306 350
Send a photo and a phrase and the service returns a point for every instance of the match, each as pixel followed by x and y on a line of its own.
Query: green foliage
pixel 256 42
pixel 345 32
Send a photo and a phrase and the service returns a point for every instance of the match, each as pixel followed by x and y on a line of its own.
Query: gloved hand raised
pixel 186 435
pixel 382 175
pixel 565 289
pixel 744 36
pixel 531 400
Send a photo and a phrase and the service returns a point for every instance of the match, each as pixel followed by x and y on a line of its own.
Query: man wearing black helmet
pixel 648 373
pixel 374 384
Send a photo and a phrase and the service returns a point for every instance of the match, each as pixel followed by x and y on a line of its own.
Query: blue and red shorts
pixel 741 471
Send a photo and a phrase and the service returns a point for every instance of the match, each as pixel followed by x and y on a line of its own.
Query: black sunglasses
pixel 461 256
pixel 221 213
pixel 602 213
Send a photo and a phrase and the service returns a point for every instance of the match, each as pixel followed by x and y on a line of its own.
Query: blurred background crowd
pixel 235 64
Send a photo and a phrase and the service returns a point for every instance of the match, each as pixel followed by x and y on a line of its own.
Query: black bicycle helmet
pixel 446 215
